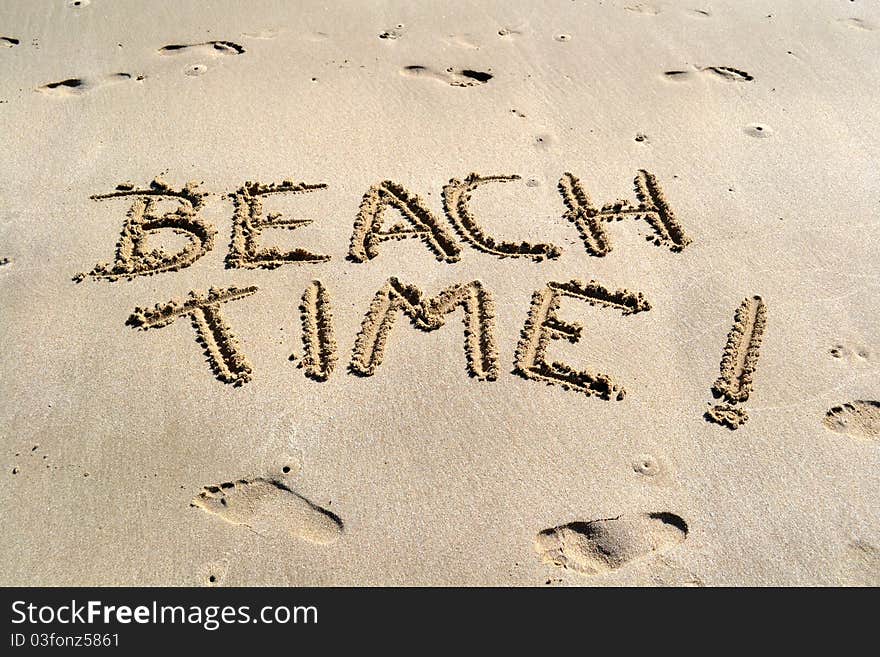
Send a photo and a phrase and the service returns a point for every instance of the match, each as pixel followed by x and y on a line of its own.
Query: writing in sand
pixel 444 236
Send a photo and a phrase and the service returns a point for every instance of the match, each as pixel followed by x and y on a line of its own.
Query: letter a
pixel 368 233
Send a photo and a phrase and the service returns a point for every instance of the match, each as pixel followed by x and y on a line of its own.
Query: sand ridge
pixel 212 332
pixel 248 224
pixel 738 363
pixel 543 325
pixel 652 208
pixel 142 220
pixel 133 258
pixel 319 343
pixel 429 314
pixel 368 233
pixel 456 196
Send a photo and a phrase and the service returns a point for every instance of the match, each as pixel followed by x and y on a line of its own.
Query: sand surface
pixel 678 389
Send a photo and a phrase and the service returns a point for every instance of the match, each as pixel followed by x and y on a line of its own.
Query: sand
pixel 566 293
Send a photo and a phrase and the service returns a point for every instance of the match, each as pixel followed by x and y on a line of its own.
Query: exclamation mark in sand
pixel 738 363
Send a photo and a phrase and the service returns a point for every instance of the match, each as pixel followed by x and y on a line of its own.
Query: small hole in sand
pixel 285 469
pixel 758 130
pixel 212 579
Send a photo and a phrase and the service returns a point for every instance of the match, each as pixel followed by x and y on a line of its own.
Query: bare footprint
pixel 678 75
pixel 216 47
pixel 726 73
pixel 65 87
pixel 454 77
pixel 602 545
pixel 856 418
pixel 267 506
pixel 79 86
